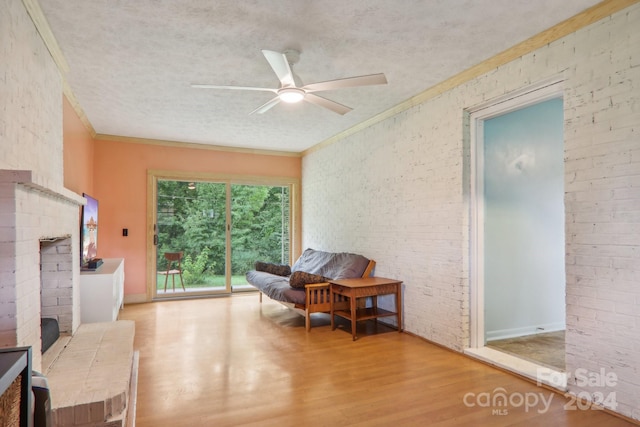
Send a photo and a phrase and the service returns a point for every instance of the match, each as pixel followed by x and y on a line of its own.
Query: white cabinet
pixel 102 291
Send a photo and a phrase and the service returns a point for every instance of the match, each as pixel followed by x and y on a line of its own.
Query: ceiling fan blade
pixel 327 103
pixel 280 66
pixel 266 106
pixel 205 86
pixel 372 79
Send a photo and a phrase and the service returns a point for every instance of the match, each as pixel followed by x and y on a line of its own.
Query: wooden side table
pixel 362 288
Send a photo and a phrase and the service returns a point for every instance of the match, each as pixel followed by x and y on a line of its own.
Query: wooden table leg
pixel 399 306
pixel 331 304
pixel 352 301
pixel 374 305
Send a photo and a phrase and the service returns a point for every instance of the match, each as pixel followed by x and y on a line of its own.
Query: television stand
pixel 102 292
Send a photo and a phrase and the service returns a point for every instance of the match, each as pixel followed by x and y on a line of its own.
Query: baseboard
pixel 523 331
pixel 135 298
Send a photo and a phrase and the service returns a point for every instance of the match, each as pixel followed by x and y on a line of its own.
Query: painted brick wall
pixel 30 97
pixel 602 146
pixel 30 215
pixel 398 192
pixel 34 205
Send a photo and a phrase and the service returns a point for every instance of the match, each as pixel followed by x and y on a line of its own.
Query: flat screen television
pixel 89 231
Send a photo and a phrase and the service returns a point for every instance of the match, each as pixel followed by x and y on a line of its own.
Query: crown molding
pixel 564 28
pixel 42 26
pixel 179 144
pixel 75 104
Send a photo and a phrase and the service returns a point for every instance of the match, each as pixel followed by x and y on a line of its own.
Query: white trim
pixel 476 244
pixel 542 91
pixel 524 331
pixel 551 377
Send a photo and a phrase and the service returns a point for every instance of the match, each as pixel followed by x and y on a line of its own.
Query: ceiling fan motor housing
pixel 291 94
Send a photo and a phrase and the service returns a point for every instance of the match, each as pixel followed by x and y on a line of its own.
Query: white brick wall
pixel 30 140
pixel 398 192
pixel 30 97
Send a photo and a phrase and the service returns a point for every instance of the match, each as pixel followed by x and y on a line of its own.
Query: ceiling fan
pixel 292 91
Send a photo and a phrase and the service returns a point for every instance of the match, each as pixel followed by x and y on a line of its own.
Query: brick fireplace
pixel 40 258
pixel 56 279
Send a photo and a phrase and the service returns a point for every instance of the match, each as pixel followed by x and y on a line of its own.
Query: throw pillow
pixel 299 278
pixel 277 269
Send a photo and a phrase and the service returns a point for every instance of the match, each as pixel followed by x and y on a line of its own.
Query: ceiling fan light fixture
pixel 291 89
pixel 291 95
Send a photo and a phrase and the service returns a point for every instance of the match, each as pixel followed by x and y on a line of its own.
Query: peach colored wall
pixel 77 152
pixel 120 185
pixel 115 173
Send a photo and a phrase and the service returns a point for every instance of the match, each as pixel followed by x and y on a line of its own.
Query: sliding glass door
pixel 191 221
pixel 261 229
pixel 208 233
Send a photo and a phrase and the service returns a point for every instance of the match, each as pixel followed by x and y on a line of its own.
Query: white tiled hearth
pixel 92 376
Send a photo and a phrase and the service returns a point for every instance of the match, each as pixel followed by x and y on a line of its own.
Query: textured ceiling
pixel 132 62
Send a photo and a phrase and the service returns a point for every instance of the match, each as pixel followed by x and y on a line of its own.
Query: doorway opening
pixel 517 228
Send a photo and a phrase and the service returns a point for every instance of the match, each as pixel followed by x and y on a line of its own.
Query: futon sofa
pixel 304 286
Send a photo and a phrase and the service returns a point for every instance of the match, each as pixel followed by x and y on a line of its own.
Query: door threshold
pixel 541 374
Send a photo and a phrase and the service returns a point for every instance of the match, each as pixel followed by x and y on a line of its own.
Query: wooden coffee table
pixel 362 288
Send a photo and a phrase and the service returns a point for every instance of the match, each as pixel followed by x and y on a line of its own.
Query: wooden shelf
pixel 366 313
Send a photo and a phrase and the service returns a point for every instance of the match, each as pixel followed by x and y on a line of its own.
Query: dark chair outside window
pixel 174 267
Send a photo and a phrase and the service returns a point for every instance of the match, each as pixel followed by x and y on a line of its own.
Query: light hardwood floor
pixel 236 362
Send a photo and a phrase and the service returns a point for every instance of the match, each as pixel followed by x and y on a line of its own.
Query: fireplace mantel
pixel 31 179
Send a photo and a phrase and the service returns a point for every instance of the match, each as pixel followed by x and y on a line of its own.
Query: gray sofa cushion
pixel 272 285
pixel 335 265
